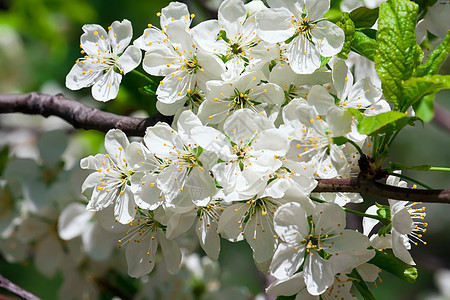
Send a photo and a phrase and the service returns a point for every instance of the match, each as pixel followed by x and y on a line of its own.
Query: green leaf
pixel 424 109
pixel 364 17
pixel 394 266
pixel 382 123
pixel 346 24
pixel 397 54
pixel 399 166
pixel 148 90
pixel 361 286
pixel 418 87
pixel 364 45
pixel 436 58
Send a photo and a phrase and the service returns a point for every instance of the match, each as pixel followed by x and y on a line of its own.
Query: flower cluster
pixel 260 104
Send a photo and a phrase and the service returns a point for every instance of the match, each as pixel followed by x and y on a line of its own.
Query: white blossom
pixel 107 58
pixel 301 25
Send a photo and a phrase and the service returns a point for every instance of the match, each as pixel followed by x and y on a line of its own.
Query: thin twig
pixel 16 290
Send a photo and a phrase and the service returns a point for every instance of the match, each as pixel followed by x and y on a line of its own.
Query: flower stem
pixel 358 213
pixel 443 169
pixel 411 179
pixel 356 146
pixel 142 75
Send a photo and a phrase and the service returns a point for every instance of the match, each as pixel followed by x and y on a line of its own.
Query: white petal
pixel 49 255
pixel 320 98
pixel 364 94
pixel 116 142
pixel 274 25
pixel 95 39
pixel 232 11
pixel 72 221
pixel 329 218
pixel 107 86
pixel 318 274
pixel 97 242
pixel 317 8
pixel 208 237
pixel 287 260
pixel 160 139
pixel 171 253
pixel 259 234
pixel 229 222
pixel 342 79
pixel 339 120
pixel 173 12
pixel 287 287
pixel 328 37
pixel 244 123
pixel 125 208
pixel 120 34
pixel 138 261
pixel 156 61
pixel 268 93
pixel 402 221
pixel 130 59
pixel 369 223
pixel 80 77
pixel 303 56
pixel 205 34
pixel 399 248
pixel 291 223
pixel 174 88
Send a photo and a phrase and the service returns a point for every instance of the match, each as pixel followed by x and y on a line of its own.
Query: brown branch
pixel 82 116
pixel 16 290
pixel 76 113
pixel 373 188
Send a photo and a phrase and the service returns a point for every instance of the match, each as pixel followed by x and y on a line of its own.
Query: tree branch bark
pixel 82 116
pixel 76 113
pixel 16 290
pixel 374 188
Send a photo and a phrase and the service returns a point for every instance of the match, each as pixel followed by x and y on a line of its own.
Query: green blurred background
pixel 39 43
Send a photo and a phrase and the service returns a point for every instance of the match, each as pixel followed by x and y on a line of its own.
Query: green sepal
pixel 347 25
pixel 395 266
pixel 399 166
pixel 386 122
pixel 340 140
pixel 416 88
pixel 364 45
pixel 384 212
pixel 361 286
pixel 385 230
pixel 223 35
pixel 364 17
pixel 148 90
pixel 397 54
pixel 436 58
pixel 324 61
